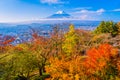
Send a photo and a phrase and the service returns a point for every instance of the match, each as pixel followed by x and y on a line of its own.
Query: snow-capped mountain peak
pixel 60 12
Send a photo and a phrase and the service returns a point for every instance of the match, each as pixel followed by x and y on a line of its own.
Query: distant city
pixel 22 30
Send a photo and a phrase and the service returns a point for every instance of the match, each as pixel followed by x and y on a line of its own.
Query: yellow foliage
pixel 70 40
pixel 25 47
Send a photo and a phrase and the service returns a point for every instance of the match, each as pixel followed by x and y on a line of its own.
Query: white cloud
pixel 116 10
pixel 85 14
pixel 81 8
pixel 100 11
pixel 52 1
pixel 84 11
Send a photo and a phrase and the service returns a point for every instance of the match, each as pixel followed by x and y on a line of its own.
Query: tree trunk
pixel 40 71
pixel 28 75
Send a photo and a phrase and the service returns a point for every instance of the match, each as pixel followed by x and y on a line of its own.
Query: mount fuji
pixel 60 14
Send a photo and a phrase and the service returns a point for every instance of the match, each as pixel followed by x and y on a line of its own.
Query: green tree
pixel 106 27
pixel 18 62
pixel 100 28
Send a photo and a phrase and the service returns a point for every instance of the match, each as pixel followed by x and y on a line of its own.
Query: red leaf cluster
pixel 97 58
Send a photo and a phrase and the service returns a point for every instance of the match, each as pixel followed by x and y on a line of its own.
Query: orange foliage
pixel 38 41
pixel 65 68
pixel 98 57
pixel 8 41
pixel 80 67
pixel 5 43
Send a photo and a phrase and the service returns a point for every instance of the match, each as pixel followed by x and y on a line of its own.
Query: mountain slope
pixel 60 14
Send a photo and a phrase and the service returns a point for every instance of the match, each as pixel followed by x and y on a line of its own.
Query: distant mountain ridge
pixel 60 14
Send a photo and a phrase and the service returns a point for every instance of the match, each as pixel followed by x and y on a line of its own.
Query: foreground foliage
pixel 65 55
pixel 98 64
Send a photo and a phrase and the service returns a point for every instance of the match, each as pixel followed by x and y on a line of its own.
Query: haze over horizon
pixel 26 10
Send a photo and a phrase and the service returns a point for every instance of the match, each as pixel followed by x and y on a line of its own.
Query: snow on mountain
pixel 60 14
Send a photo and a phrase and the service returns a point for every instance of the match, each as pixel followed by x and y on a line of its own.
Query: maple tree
pixel 99 61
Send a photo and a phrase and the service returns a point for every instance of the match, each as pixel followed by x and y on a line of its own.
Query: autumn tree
pixel 84 41
pixel 41 49
pixel 98 62
pixel 6 43
pixel 56 40
pixel 70 41
pixel 62 68
pixel 118 27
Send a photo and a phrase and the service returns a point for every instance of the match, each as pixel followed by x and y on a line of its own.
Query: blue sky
pixel 25 10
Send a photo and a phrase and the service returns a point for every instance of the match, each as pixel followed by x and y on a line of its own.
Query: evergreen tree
pixel 106 27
